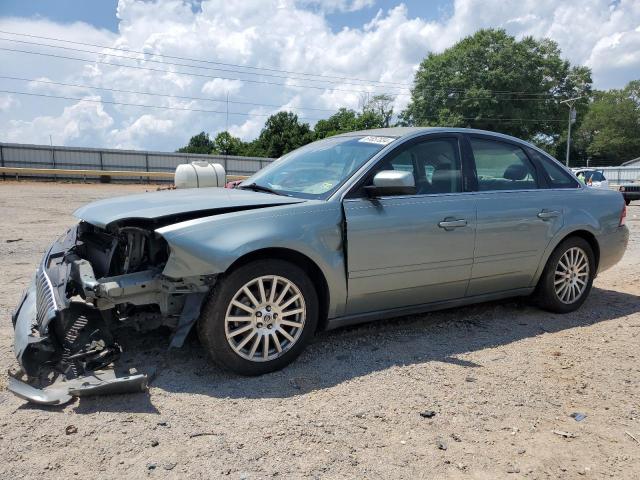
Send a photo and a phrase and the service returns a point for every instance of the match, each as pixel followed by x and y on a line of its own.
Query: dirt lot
pixel 500 377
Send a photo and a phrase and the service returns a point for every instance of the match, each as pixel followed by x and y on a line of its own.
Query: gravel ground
pixel 500 378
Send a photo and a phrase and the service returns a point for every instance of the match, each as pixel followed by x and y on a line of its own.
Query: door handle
pixel 451 224
pixel 547 214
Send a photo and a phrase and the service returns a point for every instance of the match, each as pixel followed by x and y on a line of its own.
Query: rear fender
pixel 577 221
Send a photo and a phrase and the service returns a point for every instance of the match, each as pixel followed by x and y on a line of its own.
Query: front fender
pixel 211 245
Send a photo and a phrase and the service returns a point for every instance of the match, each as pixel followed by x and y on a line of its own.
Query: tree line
pixel 490 81
pixel 284 132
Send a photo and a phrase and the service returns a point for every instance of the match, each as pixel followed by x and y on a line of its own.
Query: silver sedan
pixel 353 228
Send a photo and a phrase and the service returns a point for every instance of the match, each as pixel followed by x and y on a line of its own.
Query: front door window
pixel 435 165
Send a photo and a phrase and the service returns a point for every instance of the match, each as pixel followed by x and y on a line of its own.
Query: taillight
pixel 623 216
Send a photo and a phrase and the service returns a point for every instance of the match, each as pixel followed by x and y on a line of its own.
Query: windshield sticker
pixel 377 140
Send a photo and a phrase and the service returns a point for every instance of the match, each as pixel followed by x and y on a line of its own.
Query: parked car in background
pixel 592 178
pixel 630 191
pixel 353 228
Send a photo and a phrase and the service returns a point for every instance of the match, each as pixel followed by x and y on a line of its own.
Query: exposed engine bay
pixel 91 283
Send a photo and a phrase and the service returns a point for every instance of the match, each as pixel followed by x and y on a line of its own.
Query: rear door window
pixel 502 166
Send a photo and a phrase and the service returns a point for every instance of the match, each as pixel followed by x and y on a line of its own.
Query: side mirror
pixel 391 182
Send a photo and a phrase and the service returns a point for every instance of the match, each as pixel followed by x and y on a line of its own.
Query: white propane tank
pixel 199 175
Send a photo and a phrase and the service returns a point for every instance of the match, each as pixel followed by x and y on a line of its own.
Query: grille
pixel 632 188
pixel 45 300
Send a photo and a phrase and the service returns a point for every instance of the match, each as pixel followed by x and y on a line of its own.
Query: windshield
pixel 318 169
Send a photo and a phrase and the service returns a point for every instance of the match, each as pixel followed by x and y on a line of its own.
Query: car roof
pixel 400 132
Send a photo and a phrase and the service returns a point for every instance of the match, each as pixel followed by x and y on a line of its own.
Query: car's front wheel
pixel 567 277
pixel 259 317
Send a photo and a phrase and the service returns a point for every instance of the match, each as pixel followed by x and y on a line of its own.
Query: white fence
pixel 43 156
pixel 618 175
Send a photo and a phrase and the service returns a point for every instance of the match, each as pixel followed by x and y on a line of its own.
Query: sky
pixel 213 65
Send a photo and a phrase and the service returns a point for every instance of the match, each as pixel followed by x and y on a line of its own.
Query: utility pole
pixel 226 129
pixel 572 119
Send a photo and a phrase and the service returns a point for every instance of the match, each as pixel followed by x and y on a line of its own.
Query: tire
pixel 560 290
pixel 271 318
pixel 627 201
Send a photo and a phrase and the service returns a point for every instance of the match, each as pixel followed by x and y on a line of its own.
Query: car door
pixel 409 250
pixel 516 216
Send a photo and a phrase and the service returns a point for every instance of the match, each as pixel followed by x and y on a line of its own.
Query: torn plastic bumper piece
pixel 64 324
pixel 103 382
pixel 34 351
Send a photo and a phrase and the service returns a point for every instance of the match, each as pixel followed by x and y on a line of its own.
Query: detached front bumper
pixel 37 355
pixel 38 307
pixel 66 321
pixel 25 343
pixel 104 382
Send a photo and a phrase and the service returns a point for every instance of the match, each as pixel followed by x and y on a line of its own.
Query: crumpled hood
pixel 166 203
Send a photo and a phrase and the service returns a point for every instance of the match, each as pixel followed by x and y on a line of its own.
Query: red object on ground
pixel 233 184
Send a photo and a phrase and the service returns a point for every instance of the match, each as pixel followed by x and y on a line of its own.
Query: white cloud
pixel 579 26
pixel 7 102
pixel 135 134
pixel 329 6
pixel 291 35
pixel 219 88
pixel 83 122
pixel 250 128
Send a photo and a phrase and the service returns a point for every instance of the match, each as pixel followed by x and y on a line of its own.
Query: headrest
pixel 514 172
pixel 445 181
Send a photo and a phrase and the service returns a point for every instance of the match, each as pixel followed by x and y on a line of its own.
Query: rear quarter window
pixel 557 176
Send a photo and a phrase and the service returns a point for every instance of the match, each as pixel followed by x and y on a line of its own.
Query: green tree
pixel 381 106
pixel 344 120
pixel 492 81
pixel 227 144
pixel 200 143
pixel 282 133
pixel 253 149
pixel 376 113
pixel 610 132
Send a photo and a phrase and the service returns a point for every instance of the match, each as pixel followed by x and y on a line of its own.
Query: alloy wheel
pixel 571 275
pixel 265 318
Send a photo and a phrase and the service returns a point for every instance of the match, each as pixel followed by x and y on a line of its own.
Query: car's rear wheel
pixel 259 317
pixel 568 276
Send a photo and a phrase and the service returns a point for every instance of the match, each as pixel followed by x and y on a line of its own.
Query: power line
pixel 180 97
pixel 203 61
pixel 507 99
pixel 191 74
pixel 109 102
pixel 191 66
pixel 235 102
pixel 500 119
pixel 496 92
pixel 490 119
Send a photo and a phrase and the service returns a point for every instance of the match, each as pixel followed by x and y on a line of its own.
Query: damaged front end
pixel 91 282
